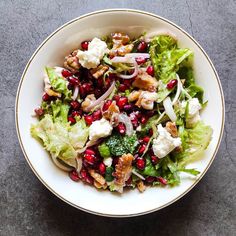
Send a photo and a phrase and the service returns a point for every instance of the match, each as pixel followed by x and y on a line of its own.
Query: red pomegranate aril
pixel 140 163
pixel 150 70
pixel 89 179
pixel 150 132
pixel 143 119
pixel 102 168
pixel 115 161
pixel 75 105
pixel 46 97
pixel 106 105
pixel 39 111
pixel 154 160
pixel 76 113
pixel 146 139
pixel 87 87
pixel 121 128
pixel 90 159
pixel 89 151
pixel 74 175
pixel 128 107
pixel 140 60
pixel 142 47
pixel 142 149
pixel 162 180
pixel 122 102
pixel 88 119
pixel 129 181
pixel 97 115
pixel 107 82
pixel 83 173
pixel 122 87
pixel 73 81
pixel 66 73
pixel 172 84
pixel 116 98
pixel 98 93
pixel 84 45
pixel 150 179
pixel 71 119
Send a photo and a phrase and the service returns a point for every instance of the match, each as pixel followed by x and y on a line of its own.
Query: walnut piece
pixel 172 129
pixel 141 186
pixel 99 186
pixel 72 62
pixel 120 44
pixel 99 178
pixel 112 109
pixel 145 81
pixel 87 102
pixel 99 71
pixel 123 170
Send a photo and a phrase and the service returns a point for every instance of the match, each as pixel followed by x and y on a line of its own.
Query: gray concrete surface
pixel 28 208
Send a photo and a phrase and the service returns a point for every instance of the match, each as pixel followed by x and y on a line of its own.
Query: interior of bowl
pixel 52 52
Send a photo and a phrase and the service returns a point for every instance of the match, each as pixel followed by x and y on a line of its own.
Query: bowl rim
pixel 97 13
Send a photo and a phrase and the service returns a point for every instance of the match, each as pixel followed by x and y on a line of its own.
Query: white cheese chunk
pixel 91 58
pixel 164 143
pixel 99 129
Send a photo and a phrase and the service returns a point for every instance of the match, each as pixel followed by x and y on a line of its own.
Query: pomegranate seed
pixel 146 139
pixel 39 111
pixel 88 119
pixel 134 119
pixel 89 179
pixel 97 115
pixel 116 98
pixel 143 120
pixel 46 97
pixel 84 45
pixel 102 168
pixel 115 161
pixel 71 119
pixel 128 82
pixel 82 92
pixel 121 128
pixel 87 87
pixel 107 82
pixel 172 84
pixel 142 149
pixel 74 81
pixel 140 60
pixel 100 82
pixel 150 70
pixel 122 87
pixel 83 173
pixel 106 105
pixel 140 163
pixel 89 151
pixel 76 113
pixel 90 159
pixel 74 175
pixel 98 93
pixel 122 102
pixel 150 179
pixel 162 180
pixel 154 160
pixel 66 73
pixel 129 181
pixel 142 47
pixel 75 105
pixel 70 86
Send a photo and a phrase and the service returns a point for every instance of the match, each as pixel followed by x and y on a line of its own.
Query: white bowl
pixel 52 52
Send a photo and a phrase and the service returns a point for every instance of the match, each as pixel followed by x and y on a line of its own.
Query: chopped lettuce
pixel 149 169
pixel 58 83
pixel 194 142
pixel 119 145
pixel 104 150
pixel 59 138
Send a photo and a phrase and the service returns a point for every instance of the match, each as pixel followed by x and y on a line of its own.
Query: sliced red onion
pixel 135 55
pixel 132 75
pixel 101 99
pixel 137 174
pixel 169 109
pixel 59 165
pixel 75 93
pixel 123 118
pixel 122 60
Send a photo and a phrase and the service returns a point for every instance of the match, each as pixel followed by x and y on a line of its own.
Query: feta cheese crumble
pixel 107 161
pixel 193 112
pixel 91 58
pixel 164 143
pixel 99 129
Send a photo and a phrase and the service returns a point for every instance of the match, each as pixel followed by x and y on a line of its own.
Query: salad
pixel 123 113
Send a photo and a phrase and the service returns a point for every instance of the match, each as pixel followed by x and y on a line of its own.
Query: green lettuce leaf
pixel 104 150
pixel 194 142
pixel 58 83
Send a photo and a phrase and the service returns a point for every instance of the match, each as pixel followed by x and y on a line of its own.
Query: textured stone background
pixel 28 208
